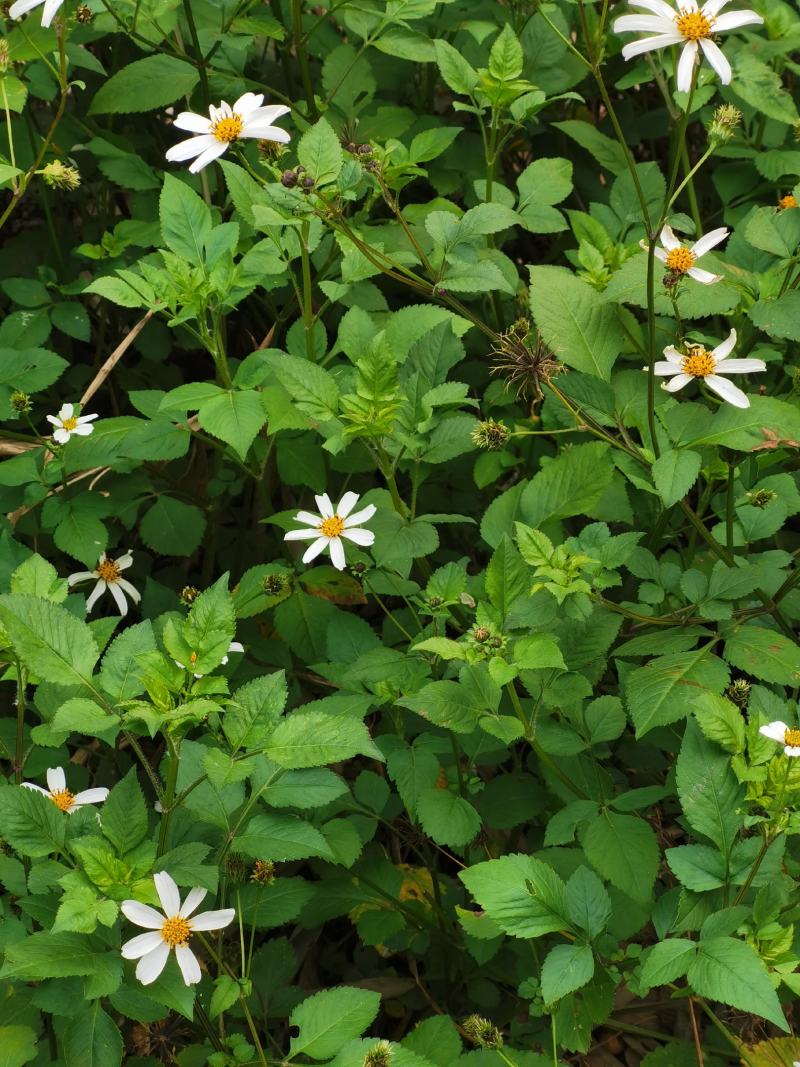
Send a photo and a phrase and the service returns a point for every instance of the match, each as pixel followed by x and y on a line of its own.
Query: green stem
pixel 20 750
pixel 199 60
pixel 168 803
pixel 302 57
pixel 729 508
pixel 308 298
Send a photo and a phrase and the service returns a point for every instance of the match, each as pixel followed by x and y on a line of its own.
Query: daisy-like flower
pixel 63 799
pixel 67 423
pixel 170 930
pixel 697 362
pixel 788 736
pixel 685 23
pixel 681 260
pixel 224 125
pixel 234 646
pixel 22 7
pixel 329 527
pixel 108 575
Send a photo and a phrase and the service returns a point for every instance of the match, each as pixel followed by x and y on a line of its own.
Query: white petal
pixel 150 966
pixel 66 411
pixel 22 7
pixel 194 898
pixel 346 504
pixel 141 944
pixel 727 390
pixel 775 731
pixel 142 914
pixel 95 595
pixel 187 961
pixel 50 9
pixel 724 348
pixel 213 920
pixel 360 537
pixel 56 779
pixel 61 436
pixel 82 429
pixel 53 420
pixel 659 253
pixel 309 518
pixel 658 7
pixel 791 750
pixel 714 55
pixel 324 506
pixel 709 240
pixel 86 418
pixel 705 277
pixel 673 355
pixel 131 590
pixel 643 24
pixel 650 44
pixel 734 20
pixel 38 788
pixel 336 549
pixel 264 132
pixel 80 576
pixel 193 146
pixel 668 239
pixel 90 796
pixel 167 893
pixel 124 561
pixel 187 120
pixel 235 646
pixel 676 383
pixel 314 550
pixel 248 103
pixel 119 597
pixel 360 516
pixel 269 113
pixel 740 366
pixel 300 535
pixel 713 7
pixel 211 153
pixel 662 369
pixel 683 79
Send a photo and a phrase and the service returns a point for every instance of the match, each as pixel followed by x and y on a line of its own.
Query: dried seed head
pixel 379 1056
pixel 490 435
pixel 724 124
pixel 671 279
pixel 481 634
pixel 273 584
pixel 759 498
pixel 263 872
pixel 739 692
pixel 270 149
pixel 523 362
pixel 289 179
pixel 482 1032
pixel 189 594
pixel 84 13
pixel 60 175
pixel 21 403
pixel 236 867
pixel 5 55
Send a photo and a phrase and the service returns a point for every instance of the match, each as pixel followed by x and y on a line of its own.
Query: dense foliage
pixel 395 674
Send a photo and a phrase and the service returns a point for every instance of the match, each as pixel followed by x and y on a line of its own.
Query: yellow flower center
pixel 229 129
pixel 694 25
pixel 792 737
pixel 109 570
pixel 70 424
pixel 332 527
pixel 787 201
pixel 62 798
pixel 175 931
pixel 679 260
pixel 698 363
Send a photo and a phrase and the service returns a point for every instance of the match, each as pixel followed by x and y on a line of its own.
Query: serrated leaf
pixel 328 1020
pixel 446 817
pixel 764 654
pixel 566 968
pixel 730 971
pixel 48 639
pixel 145 85
pixel 320 152
pixel 524 896
pixel 674 474
pixel 624 849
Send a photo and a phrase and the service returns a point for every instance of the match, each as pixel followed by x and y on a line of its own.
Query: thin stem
pixel 200 61
pixel 729 508
pixel 302 57
pixel 308 298
pixel 168 803
pixel 20 749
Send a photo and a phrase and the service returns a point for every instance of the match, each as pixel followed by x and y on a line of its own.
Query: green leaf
pixel 588 902
pixel 120 673
pixel 55 955
pixel 720 720
pixel 755 82
pixel 226 993
pixel 320 152
pixel 254 711
pixel 446 817
pixel 524 896
pixel 779 318
pixel 582 330
pixel 185 219
pixel 172 527
pixel 570 484
pixel 82 536
pixel 31 822
pixel 312 388
pixel 661 691
pixel 315 738
pixel 674 474
pixel 698 867
pixel 456 72
pixel 764 654
pixel 49 640
pixel 91 1039
pixel 145 85
pixel 235 417
pixel 730 971
pixel 667 961
pixel 505 57
pixel 330 1019
pixel 281 838
pixel 506 576
pixel 708 790
pixel 543 183
pixel 566 968
pixel 605 150
pixel 125 814
pixel 17 1045
pixel 624 849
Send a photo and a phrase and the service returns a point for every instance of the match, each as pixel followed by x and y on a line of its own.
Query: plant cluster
pixel 399 572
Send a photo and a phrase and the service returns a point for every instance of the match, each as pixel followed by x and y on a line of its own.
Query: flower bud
pixel 482 1032
pixel 273 584
pixel 724 124
pixel 60 175
pixel 21 403
pixel 490 434
pixel 379 1056
pixel 189 594
pixel 263 872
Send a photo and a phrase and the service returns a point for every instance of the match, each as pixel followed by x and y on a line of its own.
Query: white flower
pixel 224 125
pixel 685 24
pixel 234 646
pixel 108 574
pixel 22 7
pixel 788 736
pixel 67 423
pixel 681 260
pixel 61 796
pixel 329 527
pixel 697 362
pixel 171 930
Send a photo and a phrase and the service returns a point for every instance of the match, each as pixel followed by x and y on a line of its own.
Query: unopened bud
pixel 60 175
pixel 84 13
pixel 21 403
pixel 724 124
pixel 5 55
pixel 759 498
pixel 490 434
pixel 379 1056
pixel 273 584
pixel 263 872
pixel 189 594
pixel 482 1032
pixel 739 692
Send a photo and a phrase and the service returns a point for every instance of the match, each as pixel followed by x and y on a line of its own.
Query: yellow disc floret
pixel 787 202
pixel 694 25
pixel 175 931
pixel 679 260
pixel 698 362
pixel 70 424
pixel 332 527
pixel 228 129
pixel 792 738
pixel 108 570
pixel 63 799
